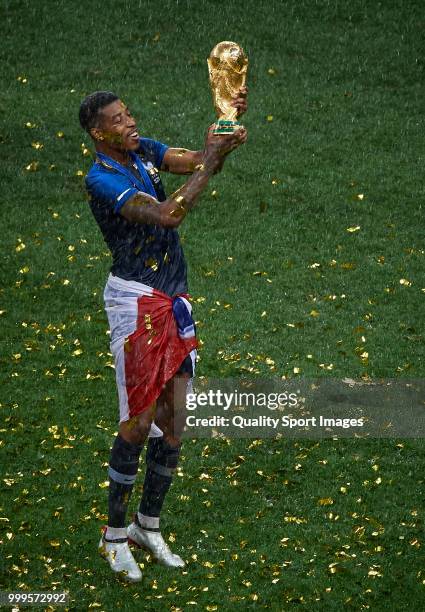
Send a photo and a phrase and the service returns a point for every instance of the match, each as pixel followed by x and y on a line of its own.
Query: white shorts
pixel 120 298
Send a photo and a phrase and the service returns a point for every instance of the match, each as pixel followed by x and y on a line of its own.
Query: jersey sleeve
pixel 154 149
pixel 110 189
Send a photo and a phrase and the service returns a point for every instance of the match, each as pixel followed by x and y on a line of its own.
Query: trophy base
pixel 226 127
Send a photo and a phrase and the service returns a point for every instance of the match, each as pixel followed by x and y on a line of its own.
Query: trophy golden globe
pixel 227 66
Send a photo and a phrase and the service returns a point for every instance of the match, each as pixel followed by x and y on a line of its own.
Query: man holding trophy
pixel 152 330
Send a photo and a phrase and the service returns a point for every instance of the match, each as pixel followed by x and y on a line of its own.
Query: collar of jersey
pixel 108 162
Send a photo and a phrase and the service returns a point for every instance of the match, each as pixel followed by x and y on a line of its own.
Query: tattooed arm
pixel 142 208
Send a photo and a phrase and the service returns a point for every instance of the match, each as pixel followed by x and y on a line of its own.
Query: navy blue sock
pixel 123 465
pixel 162 460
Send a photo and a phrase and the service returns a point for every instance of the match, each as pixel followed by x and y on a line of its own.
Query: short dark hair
pixel 91 107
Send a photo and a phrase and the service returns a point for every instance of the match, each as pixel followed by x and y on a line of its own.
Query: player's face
pixel 118 126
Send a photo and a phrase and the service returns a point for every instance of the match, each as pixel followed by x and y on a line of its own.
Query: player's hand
pixel 222 144
pixel 240 101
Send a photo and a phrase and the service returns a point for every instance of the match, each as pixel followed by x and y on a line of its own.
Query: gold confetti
pixel 269 118
pixel 325 366
pixel 355 228
pixel 32 167
pixel 271 71
pixel 208 564
pixel 405 282
pixel 294 519
pixel 151 263
pixel 325 501
pixel 60 135
pixel 314 313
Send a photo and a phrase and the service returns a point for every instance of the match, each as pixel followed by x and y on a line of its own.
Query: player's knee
pixel 137 428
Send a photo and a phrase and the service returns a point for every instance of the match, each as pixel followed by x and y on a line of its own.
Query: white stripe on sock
pixel 149 522
pixel 115 533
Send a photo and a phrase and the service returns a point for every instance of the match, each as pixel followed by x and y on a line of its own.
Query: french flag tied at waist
pixel 164 337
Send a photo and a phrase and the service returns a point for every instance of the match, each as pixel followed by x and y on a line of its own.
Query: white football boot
pixel 120 559
pixel 154 543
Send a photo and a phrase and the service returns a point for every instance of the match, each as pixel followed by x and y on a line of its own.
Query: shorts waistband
pixel 120 283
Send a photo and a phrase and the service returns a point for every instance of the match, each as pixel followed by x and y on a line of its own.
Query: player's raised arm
pixel 181 161
pixel 184 161
pixel 142 208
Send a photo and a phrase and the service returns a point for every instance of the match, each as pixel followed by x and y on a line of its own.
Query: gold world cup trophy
pixel 227 66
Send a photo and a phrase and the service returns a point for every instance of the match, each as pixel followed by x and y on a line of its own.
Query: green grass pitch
pixel 306 258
